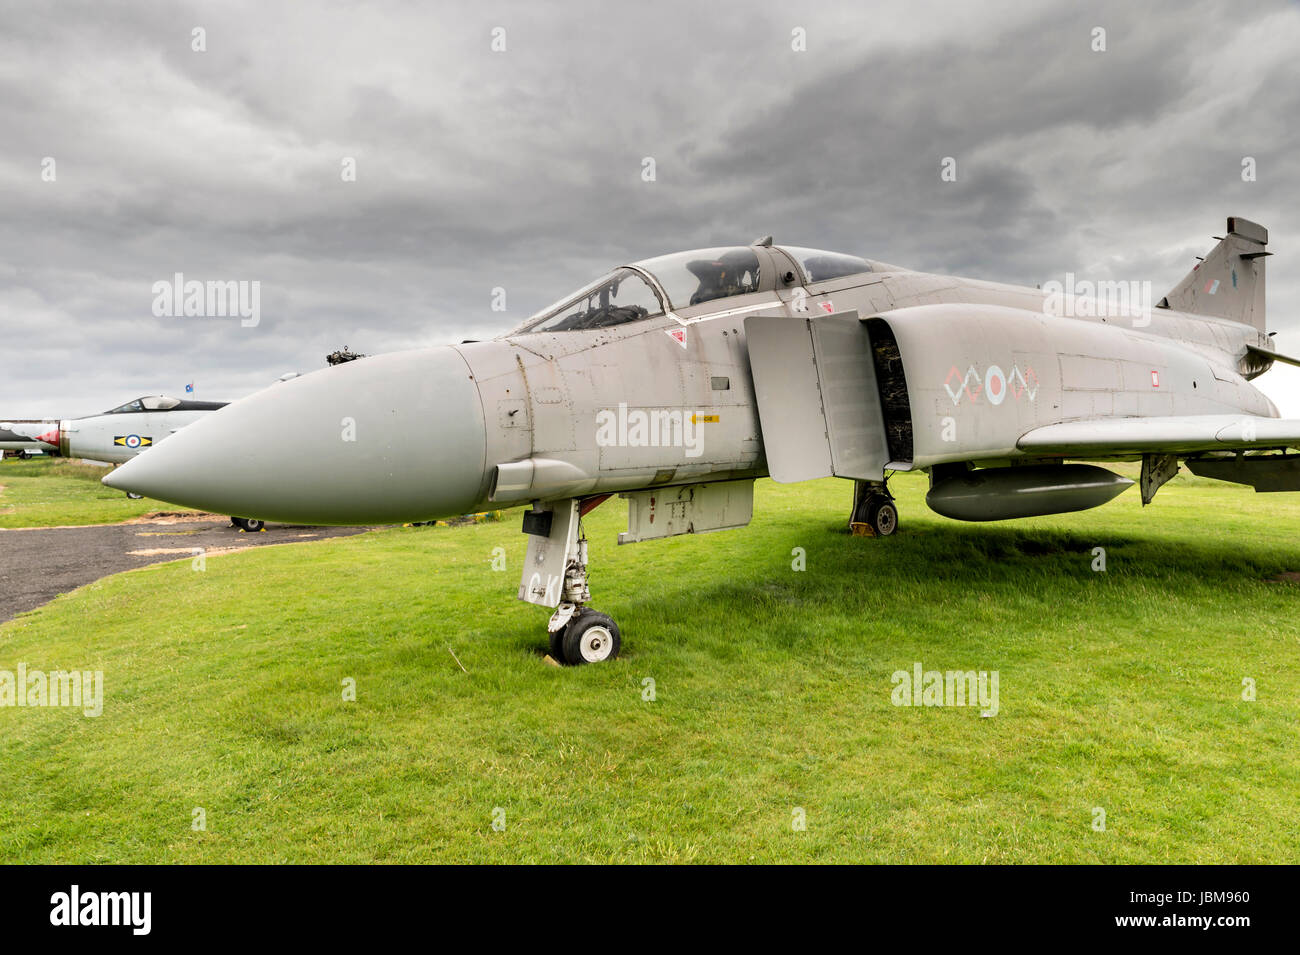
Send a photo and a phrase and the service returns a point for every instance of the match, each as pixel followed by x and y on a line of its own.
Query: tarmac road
pixel 39 564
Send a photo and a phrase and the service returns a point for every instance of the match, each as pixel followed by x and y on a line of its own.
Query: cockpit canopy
pixel 621 296
pixel 819 266
pixel 702 275
pixel 686 279
pixel 147 403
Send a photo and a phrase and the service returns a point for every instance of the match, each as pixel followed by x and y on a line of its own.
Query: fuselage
pixel 115 440
pixel 13 437
pixel 987 357
pixel 643 379
pixel 120 434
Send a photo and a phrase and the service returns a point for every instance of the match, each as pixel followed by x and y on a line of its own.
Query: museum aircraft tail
pixel 1229 282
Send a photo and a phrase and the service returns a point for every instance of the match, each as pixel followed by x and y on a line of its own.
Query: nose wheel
pixel 589 636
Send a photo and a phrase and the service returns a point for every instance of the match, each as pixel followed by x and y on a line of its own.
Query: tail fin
pixel 1229 282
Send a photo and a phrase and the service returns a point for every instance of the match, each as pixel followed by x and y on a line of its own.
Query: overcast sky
pixel 522 168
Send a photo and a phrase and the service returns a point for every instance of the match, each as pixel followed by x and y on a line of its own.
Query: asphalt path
pixel 37 565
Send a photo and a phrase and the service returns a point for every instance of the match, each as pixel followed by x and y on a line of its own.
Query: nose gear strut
pixel 555 575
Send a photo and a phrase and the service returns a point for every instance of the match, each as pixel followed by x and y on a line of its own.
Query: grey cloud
pixel 521 169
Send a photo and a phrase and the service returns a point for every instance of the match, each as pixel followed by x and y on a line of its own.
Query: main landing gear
pixel 555 575
pixel 874 512
pixel 250 524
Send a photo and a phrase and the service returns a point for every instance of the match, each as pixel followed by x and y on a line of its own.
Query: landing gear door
pixel 552 545
pixel 818 402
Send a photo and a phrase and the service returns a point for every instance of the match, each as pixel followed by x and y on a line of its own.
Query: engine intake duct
pixel 999 494
pixel 891 381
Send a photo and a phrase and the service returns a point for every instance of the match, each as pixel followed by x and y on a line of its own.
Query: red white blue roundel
pixel 995 384
pixel 133 442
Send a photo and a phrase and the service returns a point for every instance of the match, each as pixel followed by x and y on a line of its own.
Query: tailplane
pixel 1229 282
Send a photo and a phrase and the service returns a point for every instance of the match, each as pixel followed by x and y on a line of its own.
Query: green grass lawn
pixel 1119 690
pixel 48 492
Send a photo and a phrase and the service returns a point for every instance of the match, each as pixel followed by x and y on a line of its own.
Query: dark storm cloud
pixel 522 169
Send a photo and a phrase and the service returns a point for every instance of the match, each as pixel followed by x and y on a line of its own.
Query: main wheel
pixel 882 515
pixel 592 637
pixel 134 496
pixel 248 524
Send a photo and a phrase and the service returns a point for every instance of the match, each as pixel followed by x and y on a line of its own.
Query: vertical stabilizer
pixel 1229 283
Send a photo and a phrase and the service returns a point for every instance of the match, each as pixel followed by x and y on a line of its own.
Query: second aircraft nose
pixel 385 439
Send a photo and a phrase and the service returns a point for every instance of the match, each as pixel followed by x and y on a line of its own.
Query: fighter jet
pixel 676 381
pixel 121 433
pixel 18 444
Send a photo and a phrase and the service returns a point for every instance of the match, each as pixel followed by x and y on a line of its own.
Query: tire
pixel 249 524
pixel 882 515
pixel 557 640
pixel 592 637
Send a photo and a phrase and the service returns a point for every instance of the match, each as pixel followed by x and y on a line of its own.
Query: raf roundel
pixel 995 384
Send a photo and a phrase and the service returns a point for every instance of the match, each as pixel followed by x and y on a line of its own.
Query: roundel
pixel 995 384
pixel 133 441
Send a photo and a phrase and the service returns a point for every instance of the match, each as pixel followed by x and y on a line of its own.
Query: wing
pixel 1176 434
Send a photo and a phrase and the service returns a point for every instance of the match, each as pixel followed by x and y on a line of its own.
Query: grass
pixel 1119 690
pixel 49 492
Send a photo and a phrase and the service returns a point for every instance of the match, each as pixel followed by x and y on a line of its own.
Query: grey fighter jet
pixel 676 381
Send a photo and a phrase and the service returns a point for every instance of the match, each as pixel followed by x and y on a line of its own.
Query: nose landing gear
pixel 555 575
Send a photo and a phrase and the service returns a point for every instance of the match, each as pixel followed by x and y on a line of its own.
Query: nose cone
pixel 380 440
